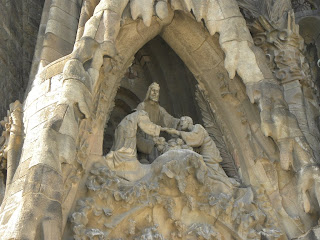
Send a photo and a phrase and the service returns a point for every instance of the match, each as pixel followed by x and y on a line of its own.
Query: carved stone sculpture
pixel 123 155
pixel 197 136
pixel 177 187
pixel 256 98
pixel 157 114
pixel 121 179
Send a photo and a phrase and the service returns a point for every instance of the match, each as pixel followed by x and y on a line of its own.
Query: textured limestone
pixel 18 35
pixel 257 104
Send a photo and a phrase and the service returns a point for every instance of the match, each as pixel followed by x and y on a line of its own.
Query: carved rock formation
pixel 259 111
pixel 176 200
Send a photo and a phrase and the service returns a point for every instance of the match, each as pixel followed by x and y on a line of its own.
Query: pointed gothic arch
pixel 246 128
pixel 238 118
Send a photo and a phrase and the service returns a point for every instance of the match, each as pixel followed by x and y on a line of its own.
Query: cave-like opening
pixel 154 62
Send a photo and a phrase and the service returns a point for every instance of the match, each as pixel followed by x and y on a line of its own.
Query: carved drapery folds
pixel 222 17
pixel 81 104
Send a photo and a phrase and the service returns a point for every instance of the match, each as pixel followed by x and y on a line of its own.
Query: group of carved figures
pixel 140 132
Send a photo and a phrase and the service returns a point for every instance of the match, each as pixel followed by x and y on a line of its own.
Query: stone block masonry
pixel 19 24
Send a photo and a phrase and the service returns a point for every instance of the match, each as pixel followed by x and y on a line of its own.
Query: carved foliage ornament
pixel 159 206
pixel 284 51
pixel 215 132
pixel 273 10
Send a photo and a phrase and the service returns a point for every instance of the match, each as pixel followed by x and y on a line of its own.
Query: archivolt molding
pixel 235 40
pixel 95 55
pixel 241 57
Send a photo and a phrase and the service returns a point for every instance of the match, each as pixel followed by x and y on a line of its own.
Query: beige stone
pixel 70 7
pixel 162 10
pixel 61 31
pixel 143 9
pixel 60 45
pixel 244 166
pixel 49 54
pixel 56 68
pixel 63 17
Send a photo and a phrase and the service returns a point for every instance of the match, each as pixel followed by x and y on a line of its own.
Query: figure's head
pixel 153 92
pixel 186 123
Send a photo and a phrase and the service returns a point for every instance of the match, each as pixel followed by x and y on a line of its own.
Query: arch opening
pixel 203 56
pixel 154 62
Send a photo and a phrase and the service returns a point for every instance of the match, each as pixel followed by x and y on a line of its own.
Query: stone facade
pixel 19 29
pixel 77 160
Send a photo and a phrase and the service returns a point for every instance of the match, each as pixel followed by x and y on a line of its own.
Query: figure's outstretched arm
pixel 168 120
pixel 171 131
pixel 147 126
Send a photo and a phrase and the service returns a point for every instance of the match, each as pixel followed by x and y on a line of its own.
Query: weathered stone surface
pixel 167 201
pixel 18 33
pixel 257 98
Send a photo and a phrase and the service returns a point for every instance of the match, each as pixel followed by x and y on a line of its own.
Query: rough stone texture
pixel 175 203
pixel 18 35
pixel 155 62
pixel 255 96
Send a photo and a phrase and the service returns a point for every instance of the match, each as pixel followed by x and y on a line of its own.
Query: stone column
pixel 57 34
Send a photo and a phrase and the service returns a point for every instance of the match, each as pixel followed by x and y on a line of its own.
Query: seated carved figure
pixel 158 115
pixel 123 154
pixel 196 136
